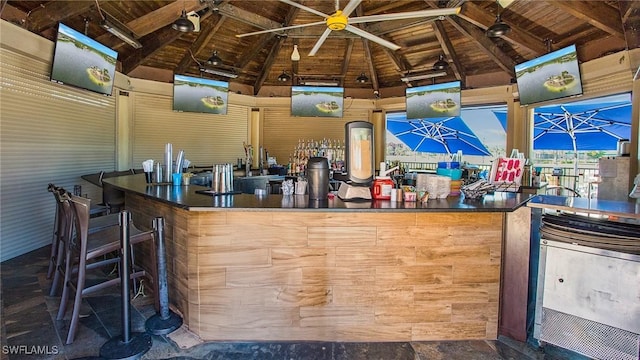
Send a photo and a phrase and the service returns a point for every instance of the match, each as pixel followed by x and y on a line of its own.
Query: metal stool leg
pixel 129 345
pixel 165 321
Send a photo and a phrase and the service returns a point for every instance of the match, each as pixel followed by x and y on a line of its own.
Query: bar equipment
pixel 318 177
pixel 168 161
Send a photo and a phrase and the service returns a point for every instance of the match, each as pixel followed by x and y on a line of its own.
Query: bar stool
pixel 112 198
pixel 83 252
pixel 57 251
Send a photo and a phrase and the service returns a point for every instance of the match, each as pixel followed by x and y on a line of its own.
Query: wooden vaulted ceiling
pixel 537 27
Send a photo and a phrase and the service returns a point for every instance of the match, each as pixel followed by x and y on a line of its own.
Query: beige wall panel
pixel 244 218
pixel 456 293
pixel 344 219
pixel 417 313
pixel 232 256
pixel 372 295
pixel 424 218
pixel 303 257
pixel 464 274
pixel 432 235
pixel 286 296
pixel 249 316
pixel 413 275
pixel 450 255
pixel 342 236
pixel 450 331
pixel 335 315
pixel 267 276
pixel 338 276
pixel 211 277
pixel 475 312
pixel 282 131
pixel 374 256
pixel 273 235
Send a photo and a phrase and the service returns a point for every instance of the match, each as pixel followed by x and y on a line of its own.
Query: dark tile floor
pixel 30 331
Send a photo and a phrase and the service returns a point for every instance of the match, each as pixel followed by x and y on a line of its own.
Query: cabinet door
pixel 600 288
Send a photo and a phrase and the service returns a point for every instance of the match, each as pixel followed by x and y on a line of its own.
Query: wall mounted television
pixel 195 94
pixel 552 76
pixel 433 101
pixel 83 62
pixel 317 101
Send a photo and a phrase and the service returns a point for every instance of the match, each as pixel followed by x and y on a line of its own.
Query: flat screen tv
pixel 552 76
pixel 433 101
pixel 195 94
pixel 83 62
pixel 318 101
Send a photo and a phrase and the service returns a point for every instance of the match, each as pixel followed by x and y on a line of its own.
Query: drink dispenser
pixel 318 177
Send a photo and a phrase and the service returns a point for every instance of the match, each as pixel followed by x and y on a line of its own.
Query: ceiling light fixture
pixel 498 28
pixel 284 77
pixel 183 24
pixel 362 78
pixel 214 60
pixel 230 74
pixel 319 83
pixel 441 64
pixel 118 29
pixel 295 55
pixel 431 75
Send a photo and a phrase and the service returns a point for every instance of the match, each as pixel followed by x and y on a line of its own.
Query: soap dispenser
pixel 383 185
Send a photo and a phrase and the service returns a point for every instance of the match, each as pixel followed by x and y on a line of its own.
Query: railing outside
pixel 583 183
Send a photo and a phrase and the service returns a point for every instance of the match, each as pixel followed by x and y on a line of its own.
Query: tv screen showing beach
pixel 433 101
pixel 318 101
pixel 83 62
pixel 194 94
pixel 552 76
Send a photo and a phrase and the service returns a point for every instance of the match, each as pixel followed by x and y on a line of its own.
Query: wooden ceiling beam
pixel 480 18
pixel 51 12
pixel 150 45
pixel 152 22
pixel 449 51
pixel 207 31
pixel 596 13
pixel 373 75
pixel 348 51
pixel 491 49
pixel 268 64
pixel 244 16
pixel 275 50
pixel 630 11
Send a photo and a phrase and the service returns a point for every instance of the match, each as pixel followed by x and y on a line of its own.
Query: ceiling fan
pixel 340 20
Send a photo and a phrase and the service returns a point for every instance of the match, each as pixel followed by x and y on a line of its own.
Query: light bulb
pixel 295 55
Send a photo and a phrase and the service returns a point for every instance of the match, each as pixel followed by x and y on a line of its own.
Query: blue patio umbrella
pixel 436 135
pixel 576 127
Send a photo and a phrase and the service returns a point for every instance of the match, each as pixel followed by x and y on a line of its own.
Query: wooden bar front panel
pixel 332 276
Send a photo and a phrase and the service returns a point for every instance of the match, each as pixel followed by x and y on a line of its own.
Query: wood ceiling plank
pixel 346 58
pixel 150 45
pixel 372 68
pixel 245 16
pixel 449 51
pixel 517 36
pixel 207 32
pixel 268 63
pixel 474 33
pixel 596 13
pixel 51 12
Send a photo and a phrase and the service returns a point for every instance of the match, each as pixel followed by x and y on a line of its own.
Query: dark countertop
pixel 627 209
pixel 186 197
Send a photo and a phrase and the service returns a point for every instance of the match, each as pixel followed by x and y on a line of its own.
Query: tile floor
pixel 30 331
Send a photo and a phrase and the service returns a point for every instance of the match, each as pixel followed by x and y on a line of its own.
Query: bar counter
pixel 243 267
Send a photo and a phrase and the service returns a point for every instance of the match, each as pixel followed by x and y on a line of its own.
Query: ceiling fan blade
pixel 280 29
pixel 405 15
pixel 372 37
pixel 352 5
pixel 320 41
pixel 305 8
